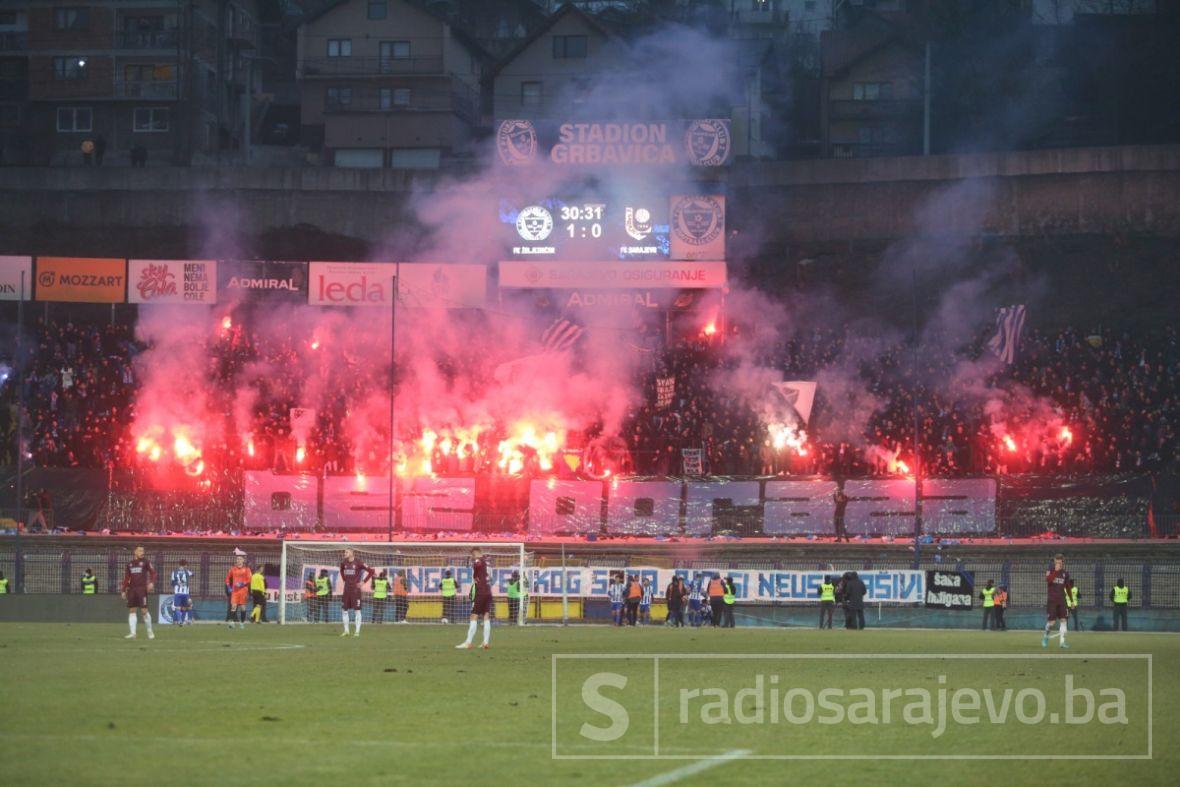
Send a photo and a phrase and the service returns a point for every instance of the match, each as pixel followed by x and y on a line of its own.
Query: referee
pixel 258 595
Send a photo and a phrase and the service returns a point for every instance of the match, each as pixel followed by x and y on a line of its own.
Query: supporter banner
pixel 422 285
pixel 356 502
pixel 949 590
pixel 879 507
pixel 958 505
pixel 665 391
pixel 612 275
pixel 889 586
pixel 81 279
pixel 279 502
pixel 257 280
pixel 704 142
pixel 801 507
pixel 172 281
pixel 698 227
pixel 438 504
pixel 11 269
pixel 643 508
pixel 565 507
pixel 713 506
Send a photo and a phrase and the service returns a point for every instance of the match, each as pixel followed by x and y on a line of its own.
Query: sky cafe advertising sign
pixel 704 142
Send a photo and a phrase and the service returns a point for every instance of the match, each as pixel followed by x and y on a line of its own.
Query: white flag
pixel 799 396
pixel 1009 325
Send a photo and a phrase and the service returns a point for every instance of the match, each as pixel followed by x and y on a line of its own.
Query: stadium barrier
pixel 776 583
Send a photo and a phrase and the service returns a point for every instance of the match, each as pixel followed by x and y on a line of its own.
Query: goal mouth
pixel 410 581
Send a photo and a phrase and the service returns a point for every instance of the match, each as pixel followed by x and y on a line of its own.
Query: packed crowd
pixel 1073 402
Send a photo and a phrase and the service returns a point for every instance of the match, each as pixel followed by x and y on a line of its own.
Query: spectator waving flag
pixel 562 335
pixel 1009 325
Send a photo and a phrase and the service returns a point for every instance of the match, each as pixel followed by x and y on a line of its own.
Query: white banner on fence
pixel 172 281
pixel 612 275
pixel 889 586
pixel 11 269
pixel 279 502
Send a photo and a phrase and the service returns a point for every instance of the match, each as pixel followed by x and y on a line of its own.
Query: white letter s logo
pixel 619 718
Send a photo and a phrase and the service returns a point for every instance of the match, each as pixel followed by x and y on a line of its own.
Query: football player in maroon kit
pixel 139 579
pixel 1059 582
pixel 481 601
pixel 353 573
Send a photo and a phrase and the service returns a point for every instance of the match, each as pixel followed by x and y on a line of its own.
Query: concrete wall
pixel 53 608
pixel 1128 191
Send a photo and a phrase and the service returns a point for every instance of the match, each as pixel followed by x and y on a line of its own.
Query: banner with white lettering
pixel 949 590
pixel 16 276
pixel 702 142
pixel 254 280
pixel 697 226
pixel 886 586
pixel 612 275
pixel 172 281
pixel 665 390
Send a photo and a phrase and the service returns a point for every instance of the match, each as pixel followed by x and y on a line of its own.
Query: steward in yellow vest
pixel 380 596
pixel 89 583
pixel 827 602
pixel 1120 596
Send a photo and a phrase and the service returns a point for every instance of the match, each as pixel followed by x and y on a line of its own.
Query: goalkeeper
pixel 237 587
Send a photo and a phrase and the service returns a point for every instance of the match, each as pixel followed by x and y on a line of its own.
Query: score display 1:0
pixel 589 212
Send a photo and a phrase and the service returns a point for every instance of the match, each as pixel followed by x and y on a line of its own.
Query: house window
pixel 872 91
pixel 395 97
pixel 378 9
pixel 808 5
pixel 69 68
pixel 7 18
pixel 150 119
pixel 530 94
pixel 339 47
pixel 339 97
pixel 75 119
pixel 395 50
pixel 569 46
pixel 71 19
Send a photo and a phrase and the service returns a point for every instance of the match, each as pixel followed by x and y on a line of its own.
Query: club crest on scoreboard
pixel 516 142
pixel 708 142
pixel 698 220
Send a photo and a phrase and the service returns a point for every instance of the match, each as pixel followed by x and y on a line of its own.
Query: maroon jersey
pixel 353 573
pixel 479 577
pixel 138 575
pixel 1058 582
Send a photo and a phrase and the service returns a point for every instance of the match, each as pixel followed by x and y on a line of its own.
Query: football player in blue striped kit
pixel 694 603
pixel 645 603
pixel 614 592
pixel 182 602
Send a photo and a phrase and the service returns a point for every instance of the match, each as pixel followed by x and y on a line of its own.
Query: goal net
pixel 419 577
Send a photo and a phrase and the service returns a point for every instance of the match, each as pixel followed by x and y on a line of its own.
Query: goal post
pixel 310 586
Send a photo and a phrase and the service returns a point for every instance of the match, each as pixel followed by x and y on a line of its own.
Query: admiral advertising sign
pixel 16 278
pixel 81 279
pixel 698 227
pixel 704 142
pixel 612 275
pixel 255 280
pixel 422 285
pixel 172 281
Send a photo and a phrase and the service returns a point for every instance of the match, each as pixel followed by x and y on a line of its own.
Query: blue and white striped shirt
pixel 180 581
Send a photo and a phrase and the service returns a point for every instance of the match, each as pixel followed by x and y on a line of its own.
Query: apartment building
pixel 387 83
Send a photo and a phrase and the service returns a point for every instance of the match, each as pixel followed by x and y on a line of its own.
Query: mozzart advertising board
pixel 421 285
pixel 81 279
pixel 172 281
pixel 704 142
pixel 612 275
pixel 16 278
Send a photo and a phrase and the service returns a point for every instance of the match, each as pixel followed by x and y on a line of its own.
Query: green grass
pixel 299 705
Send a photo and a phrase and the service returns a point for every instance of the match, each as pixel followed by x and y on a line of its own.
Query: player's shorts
pixel 351 598
pixel 258 596
pixel 136 598
pixel 1057 610
pixel 615 606
pixel 645 607
pixel 181 601
pixel 694 604
pixel 239 597
pixel 481 604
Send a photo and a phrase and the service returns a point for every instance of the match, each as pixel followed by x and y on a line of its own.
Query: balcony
pixel 873 110
pixel 15 39
pixel 368 66
pixel 146 89
pixel 147 39
pixel 459 99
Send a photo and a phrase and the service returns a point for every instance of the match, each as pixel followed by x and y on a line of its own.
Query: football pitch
pixel 584 705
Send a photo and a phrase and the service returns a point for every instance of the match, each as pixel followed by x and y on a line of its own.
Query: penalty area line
pixel 692 769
